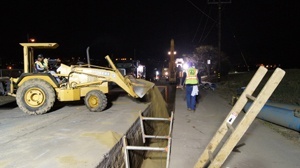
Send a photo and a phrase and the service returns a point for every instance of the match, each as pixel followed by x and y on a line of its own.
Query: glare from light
pixel 185 66
pixel 174 52
pixel 166 73
pixel 179 62
pixel 157 72
pixel 140 68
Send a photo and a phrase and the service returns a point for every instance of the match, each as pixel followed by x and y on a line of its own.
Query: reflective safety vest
pixel 39 66
pixel 191 76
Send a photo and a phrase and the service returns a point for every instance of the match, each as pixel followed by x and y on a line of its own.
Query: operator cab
pixel 28 53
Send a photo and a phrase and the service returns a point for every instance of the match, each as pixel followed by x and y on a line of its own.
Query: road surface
pixel 70 136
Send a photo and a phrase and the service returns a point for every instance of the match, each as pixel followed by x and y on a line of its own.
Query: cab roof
pixel 40 45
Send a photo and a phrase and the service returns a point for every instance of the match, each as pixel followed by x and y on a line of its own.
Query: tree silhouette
pixel 204 53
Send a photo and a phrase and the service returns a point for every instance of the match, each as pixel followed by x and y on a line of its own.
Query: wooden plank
pixel 237 108
pixel 249 117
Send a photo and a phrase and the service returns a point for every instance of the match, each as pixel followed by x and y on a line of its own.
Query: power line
pixel 213 25
pixel 205 28
pixel 197 29
pixel 238 45
pixel 201 11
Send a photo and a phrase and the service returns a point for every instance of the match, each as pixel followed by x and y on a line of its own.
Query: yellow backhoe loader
pixel 36 93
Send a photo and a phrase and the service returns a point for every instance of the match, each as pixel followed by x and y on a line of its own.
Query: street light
pixel 208 67
pixel 172 71
pixel 32 40
pixel 174 52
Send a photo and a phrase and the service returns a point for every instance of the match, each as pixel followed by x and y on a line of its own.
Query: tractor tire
pixel 95 101
pixel 35 97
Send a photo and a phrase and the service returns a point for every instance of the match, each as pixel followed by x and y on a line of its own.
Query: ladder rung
pixel 146 148
pixel 250 97
pixel 156 136
pixel 230 127
pixel 158 119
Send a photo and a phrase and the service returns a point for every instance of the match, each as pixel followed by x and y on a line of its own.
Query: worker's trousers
pixel 190 100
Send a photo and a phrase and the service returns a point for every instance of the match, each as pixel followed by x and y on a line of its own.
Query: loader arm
pixel 139 87
pixel 98 76
pixel 91 75
pixel 114 68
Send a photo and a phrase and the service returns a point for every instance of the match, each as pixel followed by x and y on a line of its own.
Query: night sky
pixel 263 31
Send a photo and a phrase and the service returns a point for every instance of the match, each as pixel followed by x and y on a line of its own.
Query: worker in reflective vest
pixel 191 79
pixel 41 64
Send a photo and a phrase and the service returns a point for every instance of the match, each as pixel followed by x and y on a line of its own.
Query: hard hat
pixel 40 56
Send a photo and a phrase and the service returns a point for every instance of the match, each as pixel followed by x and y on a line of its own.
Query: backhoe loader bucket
pixel 141 86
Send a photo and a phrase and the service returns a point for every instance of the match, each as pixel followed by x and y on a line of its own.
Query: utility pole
pixel 219 3
pixel 172 71
pixel 220 37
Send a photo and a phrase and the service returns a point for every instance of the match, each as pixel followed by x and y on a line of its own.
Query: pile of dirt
pixel 158 103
